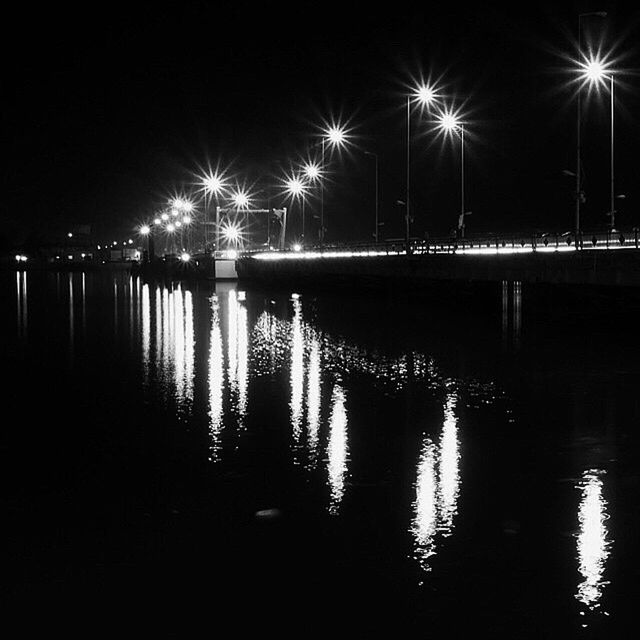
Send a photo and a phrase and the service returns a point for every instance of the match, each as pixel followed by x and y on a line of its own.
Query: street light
pixel 579 193
pixel 213 184
pixel 449 123
pixel 595 72
pixel 296 189
pixel 313 173
pixel 336 136
pixel 425 96
pixel 375 158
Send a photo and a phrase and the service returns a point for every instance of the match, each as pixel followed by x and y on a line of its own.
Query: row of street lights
pixel 215 185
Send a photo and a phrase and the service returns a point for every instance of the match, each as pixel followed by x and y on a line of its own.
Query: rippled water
pixel 442 464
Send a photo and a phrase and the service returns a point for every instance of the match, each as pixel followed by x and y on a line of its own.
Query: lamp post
pixel 425 96
pixel 579 193
pixel 336 136
pixel 312 173
pixel 377 199
pixel 449 123
pixel 213 185
pixel 596 73
pixel 296 190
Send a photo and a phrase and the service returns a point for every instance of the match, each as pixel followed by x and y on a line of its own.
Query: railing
pixel 485 244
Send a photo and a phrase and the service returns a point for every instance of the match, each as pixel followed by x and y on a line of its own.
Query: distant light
pixel 175 212
pixel 130 241
pixel 448 121
pixel 70 235
pixel 425 95
pixel 231 233
pixel 70 257
pixel 157 221
pixel 99 247
pixel 232 254
pixel 186 220
pixel 297 247
pixel 240 199
pixel 185 257
pixel 171 228
pixel 187 206
pixel 178 223
pixel 242 295
pixel 594 70
pixel 213 184
pixel 21 258
pixel 165 216
pixel 83 255
pixel 311 170
pixel 336 135
pixel 145 229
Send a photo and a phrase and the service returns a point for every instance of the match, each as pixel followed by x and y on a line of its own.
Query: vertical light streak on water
pixel 115 307
pixel 449 467
pixel 593 543
pixel 189 345
pixel 166 334
pixel 83 290
pixel 22 309
pixel 297 372
pixel 243 359
pixel 146 332
pixel 232 339
pixel 158 323
pixel 216 382
pixel 179 344
pixel 313 400
pixel 71 318
pixel 517 312
pixel 505 313
pixel 337 450
pixel 130 295
pixel 425 520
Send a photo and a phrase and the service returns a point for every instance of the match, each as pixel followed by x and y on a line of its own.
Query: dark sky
pixel 109 109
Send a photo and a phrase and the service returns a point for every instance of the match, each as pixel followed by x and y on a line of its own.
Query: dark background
pixel 110 109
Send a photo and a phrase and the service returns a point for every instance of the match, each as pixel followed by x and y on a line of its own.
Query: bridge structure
pixel 598 258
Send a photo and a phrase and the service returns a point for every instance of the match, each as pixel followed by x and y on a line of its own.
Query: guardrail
pixel 490 243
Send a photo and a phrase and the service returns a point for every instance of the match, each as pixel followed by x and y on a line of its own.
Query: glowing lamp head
pixel 231 233
pixel 312 171
pixel 185 257
pixel 240 199
pixel 186 220
pixel 449 122
pixel 594 70
pixel 212 184
pixel 425 95
pixel 171 228
pixel 145 229
pixel 175 212
pixel 178 224
pixel 187 206
pixel 295 187
pixel 336 136
pixel 297 247
pixel 165 217
pixel 157 221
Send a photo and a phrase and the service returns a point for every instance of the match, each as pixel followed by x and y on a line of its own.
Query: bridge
pixel 610 258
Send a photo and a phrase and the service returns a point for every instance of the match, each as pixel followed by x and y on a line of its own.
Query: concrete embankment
pixel 614 268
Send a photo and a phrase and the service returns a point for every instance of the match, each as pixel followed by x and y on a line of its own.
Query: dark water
pixel 298 462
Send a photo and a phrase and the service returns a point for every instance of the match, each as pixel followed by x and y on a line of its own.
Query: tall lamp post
pixel 449 123
pixel 335 136
pixel 213 185
pixel 596 73
pixel 375 158
pixel 425 96
pixel 296 190
pixel 312 173
pixel 579 193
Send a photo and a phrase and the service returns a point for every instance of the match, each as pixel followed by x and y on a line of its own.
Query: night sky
pixel 109 110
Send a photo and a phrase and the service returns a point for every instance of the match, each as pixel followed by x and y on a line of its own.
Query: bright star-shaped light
pixel 312 171
pixel 425 95
pixel 145 229
pixel 594 70
pixel 240 199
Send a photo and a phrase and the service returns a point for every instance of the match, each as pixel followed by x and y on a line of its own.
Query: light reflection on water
pixel 593 541
pixel 437 486
pixel 246 342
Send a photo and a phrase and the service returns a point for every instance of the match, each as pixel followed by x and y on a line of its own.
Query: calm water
pixel 290 461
